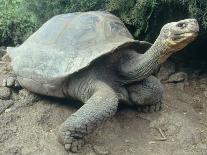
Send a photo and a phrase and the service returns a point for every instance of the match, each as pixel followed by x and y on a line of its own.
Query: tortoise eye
pixel 181 25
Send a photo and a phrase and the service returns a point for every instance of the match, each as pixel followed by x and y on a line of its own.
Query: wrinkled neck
pixel 158 51
pixel 144 65
pixel 151 60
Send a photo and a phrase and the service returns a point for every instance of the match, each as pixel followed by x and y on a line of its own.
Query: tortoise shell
pixel 67 43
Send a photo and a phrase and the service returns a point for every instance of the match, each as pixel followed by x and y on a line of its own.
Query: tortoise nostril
pixel 194 25
pixel 195 21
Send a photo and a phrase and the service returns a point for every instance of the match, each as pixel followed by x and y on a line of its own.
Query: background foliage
pixel 16 24
pixel 144 18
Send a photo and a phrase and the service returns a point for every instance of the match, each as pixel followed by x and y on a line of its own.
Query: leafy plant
pixel 144 18
pixel 15 24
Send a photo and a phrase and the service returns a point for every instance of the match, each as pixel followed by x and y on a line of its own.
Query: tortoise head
pixel 177 35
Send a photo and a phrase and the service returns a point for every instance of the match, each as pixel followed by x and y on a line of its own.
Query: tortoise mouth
pixel 185 37
pixel 190 33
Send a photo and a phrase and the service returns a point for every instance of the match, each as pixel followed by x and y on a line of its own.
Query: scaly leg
pixel 99 107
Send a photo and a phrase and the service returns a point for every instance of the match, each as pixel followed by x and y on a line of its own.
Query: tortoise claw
pixel 150 108
pixel 70 143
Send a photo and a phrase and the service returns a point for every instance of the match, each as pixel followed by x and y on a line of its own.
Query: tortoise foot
pixel 11 82
pixel 150 108
pixel 71 142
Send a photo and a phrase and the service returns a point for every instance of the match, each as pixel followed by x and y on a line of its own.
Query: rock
pixel 5 65
pixel 101 150
pixel 6 58
pixel 177 77
pixel 166 70
pixel 152 142
pixel 7 110
pixel 2 51
pixel 13 151
pixel 5 104
pixel 5 93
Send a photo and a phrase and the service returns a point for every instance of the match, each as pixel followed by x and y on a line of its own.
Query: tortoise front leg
pixel 99 107
pixel 147 94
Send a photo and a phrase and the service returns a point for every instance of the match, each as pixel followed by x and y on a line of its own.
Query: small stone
pixel 6 58
pixel 101 150
pixel 177 77
pixel 67 147
pixel 5 105
pixel 5 93
pixel 127 141
pixel 13 151
pixel 8 110
pixel 131 150
pixel 205 93
pixel 152 142
pixel 166 70
pixel 2 51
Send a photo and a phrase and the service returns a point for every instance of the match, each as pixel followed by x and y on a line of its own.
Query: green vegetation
pixel 15 26
pixel 144 18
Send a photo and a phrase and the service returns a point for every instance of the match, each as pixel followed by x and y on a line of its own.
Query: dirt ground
pixel 180 128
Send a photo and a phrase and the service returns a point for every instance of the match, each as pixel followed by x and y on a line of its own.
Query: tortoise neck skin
pixel 136 67
pixel 159 51
pixel 151 60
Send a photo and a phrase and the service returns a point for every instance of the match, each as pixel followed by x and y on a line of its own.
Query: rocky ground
pixel 180 128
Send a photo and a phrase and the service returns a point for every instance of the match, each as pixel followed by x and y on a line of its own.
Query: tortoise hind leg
pixel 147 94
pixel 100 106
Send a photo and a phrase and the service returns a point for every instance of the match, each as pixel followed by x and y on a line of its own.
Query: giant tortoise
pixel 93 58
